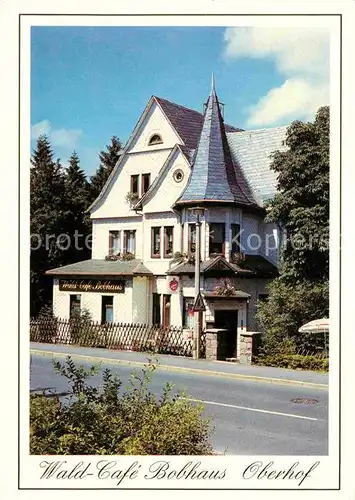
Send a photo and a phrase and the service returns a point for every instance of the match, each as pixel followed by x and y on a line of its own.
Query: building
pixel 144 229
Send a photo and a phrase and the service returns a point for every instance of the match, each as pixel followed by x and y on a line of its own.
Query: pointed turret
pixel 213 91
pixel 213 176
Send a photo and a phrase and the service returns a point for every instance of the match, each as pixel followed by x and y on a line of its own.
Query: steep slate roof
pixel 187 122
pixel 251 150
pixel 98 267
pixel 214 175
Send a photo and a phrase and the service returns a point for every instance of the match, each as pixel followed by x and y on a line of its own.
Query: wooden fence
pixel 122 336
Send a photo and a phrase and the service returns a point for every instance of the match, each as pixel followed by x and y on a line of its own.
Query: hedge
pixel 293 361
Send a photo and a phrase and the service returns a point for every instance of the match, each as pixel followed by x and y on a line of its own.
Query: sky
pixel 90 83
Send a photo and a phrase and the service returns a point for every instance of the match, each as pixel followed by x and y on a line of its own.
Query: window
pixel 178 175
pixel 217 238
pixel 192 238
pixel 114 242
pixel 156 242
pixel 135 184
pixel 156 309
pixel 168 241
pixel 166 310
pixel 235 238
pixel 188 314
pixel 107 309
pixel 129 241
pixel 155 139
pixel 75 305
pixel 145 183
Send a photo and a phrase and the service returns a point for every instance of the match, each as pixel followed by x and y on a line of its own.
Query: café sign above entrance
pixel 95 285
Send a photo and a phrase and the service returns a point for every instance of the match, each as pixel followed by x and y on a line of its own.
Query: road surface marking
pixel 252 409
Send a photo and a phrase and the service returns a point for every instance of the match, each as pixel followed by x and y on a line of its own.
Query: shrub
pixel 286 309
pixel 82 329
pixel 293 361
pixel 45 328
pixel 117 421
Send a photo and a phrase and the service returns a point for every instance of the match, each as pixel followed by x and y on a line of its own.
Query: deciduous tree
pixel 300 293
pixel 302 202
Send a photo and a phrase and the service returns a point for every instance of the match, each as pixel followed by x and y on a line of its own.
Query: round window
pixel 178 175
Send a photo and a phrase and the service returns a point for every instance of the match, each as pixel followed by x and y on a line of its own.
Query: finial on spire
pixel 213 90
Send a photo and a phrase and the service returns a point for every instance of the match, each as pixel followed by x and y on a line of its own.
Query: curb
pixel 236 376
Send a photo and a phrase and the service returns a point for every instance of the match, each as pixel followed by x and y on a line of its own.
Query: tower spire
pixel 213 90
pixel 213 176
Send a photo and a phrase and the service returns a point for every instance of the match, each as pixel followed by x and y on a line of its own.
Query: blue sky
pixel 89 83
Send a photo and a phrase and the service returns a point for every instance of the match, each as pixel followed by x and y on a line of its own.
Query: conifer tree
pixel 108 160
pixel 47 200
pixel 77 220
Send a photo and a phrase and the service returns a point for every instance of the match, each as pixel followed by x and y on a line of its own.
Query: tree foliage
pixel 302 202
pixel 60 224
pixel 108 160
pixel 301 206
pixel 47 219
pixel 76 187
pixel 115 420
pixel 77 220
pixel 287 308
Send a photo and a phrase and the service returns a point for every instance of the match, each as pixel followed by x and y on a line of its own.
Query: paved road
pixel 250 418
pixel 189 363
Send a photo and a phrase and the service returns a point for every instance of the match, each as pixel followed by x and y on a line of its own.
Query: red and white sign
pixel 173 284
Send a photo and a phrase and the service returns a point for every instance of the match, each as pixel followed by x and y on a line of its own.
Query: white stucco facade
pixel 169 167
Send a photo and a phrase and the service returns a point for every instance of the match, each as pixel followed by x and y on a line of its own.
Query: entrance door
pixel 229 321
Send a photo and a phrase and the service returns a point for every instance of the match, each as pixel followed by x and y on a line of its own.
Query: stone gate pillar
pixel 248 343
pixel 213 342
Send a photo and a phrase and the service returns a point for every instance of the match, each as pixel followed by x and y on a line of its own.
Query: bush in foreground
pixel 114 420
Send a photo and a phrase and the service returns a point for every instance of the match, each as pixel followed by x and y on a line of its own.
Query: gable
pixel 153 122
pixel 112 201
pixel 169 184
pixel 218 264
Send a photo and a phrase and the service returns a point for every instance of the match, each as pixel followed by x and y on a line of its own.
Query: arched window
pixel 155 139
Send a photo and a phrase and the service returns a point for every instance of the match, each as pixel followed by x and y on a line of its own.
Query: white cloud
pixel 40 128
pixel 296 97
pixel 301 55
pixel 62 138
pixel 66 138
